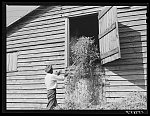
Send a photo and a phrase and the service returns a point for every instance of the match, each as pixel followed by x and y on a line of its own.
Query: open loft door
pixel 108 35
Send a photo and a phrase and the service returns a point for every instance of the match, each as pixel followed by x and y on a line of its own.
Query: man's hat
pixel 48 68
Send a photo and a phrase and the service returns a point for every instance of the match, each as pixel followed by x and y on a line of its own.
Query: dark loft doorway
pixel 83 26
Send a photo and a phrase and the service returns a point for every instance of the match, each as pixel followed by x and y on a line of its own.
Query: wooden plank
pixel 22 91
pixel 119 94
pixel 133 39
pixel 133 82
pixel 8 61
pixel 54 15
pixel 126 88
pixel 132 23
pixel 27 95
pixel 31 100
pixel 44 50
pixel 125 72
pixel 114 51
pixel 36 24
pixel 34 68
pixel 112 27
pixel 128 61
pixel 134 45
pixel 27 100
pixel 126 67
pixel 53 58
pixel 23 108
pixel 41 63
pixel 132 28
pixel 134 56
pixel 138 50
pixel 131 18
pixel 40 28
pixel 38 34
pixel 131 9
pixel 30 77
pixel 31 86
pixel 40 105
pixel 47 37
pixel 125 77
pixel 104 11
pixel 132 12
pixel 37 44
pixel 132 34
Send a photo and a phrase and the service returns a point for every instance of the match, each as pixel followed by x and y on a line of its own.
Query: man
pixel 51 85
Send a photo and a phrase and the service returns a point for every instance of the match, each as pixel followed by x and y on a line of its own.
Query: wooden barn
pixel 42 37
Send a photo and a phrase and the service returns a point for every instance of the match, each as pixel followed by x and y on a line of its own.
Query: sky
pixel 13 13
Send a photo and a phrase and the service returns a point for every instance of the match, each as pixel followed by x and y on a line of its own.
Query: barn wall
pixel 42 41
pixel 130 72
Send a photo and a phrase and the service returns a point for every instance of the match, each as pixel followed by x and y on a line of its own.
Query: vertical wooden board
pixel 66 42
pixel 7 67
pixel 10 62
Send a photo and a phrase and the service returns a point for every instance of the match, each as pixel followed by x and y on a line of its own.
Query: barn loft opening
pixel 84 26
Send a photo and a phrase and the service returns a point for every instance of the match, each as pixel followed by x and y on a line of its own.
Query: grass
pixel 134 101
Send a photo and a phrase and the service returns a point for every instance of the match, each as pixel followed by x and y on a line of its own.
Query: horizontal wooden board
pixel 41 63
pixel 44 50
pixel 132 34
pixel 22 91
pixel 128 61
pixel 131 9
pixel 70 12
pixel 33 33
pixel 126 72
pixel 134 45
pixel 53 58
pixel 31 81
pixel 134 55
pixel 119 94
pixel 131 18
pixel 132 12
pixel 132 23
pixel 38 24
pixel 126 88
pixel 40 105
pixel 24 40
pixel 126 77
pixel 30 86
pixel 27 100
pixel 10 76
pixel 31 100
pixel 44 33
pixel 31 95
pixel 132 28
pixel 126 67
pixel 39 29
pixel 39 67
pixel 133 39
pixel 126 82
pixel 26 47
pixel 130 51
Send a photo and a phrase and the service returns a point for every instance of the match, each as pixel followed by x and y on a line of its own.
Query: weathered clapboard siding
pixel 36 45
pixel 130 72
pixel 42 41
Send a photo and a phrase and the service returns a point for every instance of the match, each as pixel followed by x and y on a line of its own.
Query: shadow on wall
pixel 129 67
